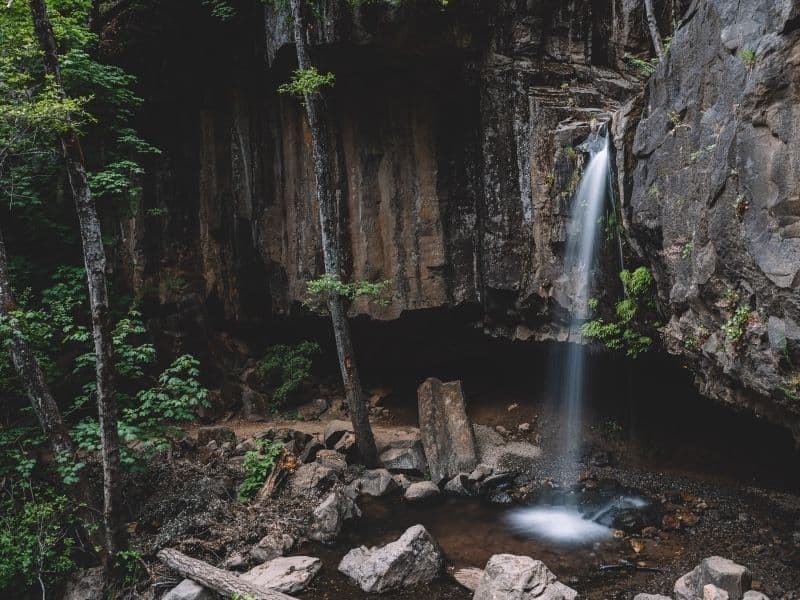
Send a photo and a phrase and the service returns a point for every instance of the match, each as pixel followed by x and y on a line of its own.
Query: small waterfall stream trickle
pixel 568 523
pixel 583 235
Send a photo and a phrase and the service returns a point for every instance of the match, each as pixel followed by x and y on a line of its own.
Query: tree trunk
pixel 95 262
pixel 652 23
pixel 27 367
pixel 226 583
pixel 326 199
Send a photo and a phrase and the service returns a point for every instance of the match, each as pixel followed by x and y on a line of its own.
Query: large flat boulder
pixel 446 432
pixel 413 559
pixel 188 590
pixel 511 577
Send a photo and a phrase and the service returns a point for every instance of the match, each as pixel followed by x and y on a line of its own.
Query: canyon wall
pixel 457 136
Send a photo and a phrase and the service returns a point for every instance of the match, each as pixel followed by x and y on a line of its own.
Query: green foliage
pixel 748 55
pixel 645 67
pixel 36 545
pixel 593 303
pixel 688 250
pixel 16 446
pixel 130 564
pixel 306 82
pixel 570 153
pixel 622 333
pixel 322 289
pixel 257 466
pixel 288 367
pixel 220 9
pixel 735 326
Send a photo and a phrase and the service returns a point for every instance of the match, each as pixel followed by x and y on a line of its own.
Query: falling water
pixel 582 234
pixel 566 523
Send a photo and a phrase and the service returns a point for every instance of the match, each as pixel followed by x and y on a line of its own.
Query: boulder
pixel 650 597
pixel 421 491
pixel 725 574
pixel 334 431
pixel 377 482
pixel 310 452
pixel 511 577
pixel 712 592
pixel 255 406
pixel 402 481
pixel 287 574
pixel 188 590
pixel 413 559
pixel 234 561
pixel 272 546
pixel 332 460
pixel 754 595
pixel 215 433
pixel 409 459
pixel 330 516
pixel 460 485
pixel 312 410
pixel 86 584
pixel 446 432
pixel 312 478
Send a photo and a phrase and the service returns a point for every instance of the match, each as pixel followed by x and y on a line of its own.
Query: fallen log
pixel 221 581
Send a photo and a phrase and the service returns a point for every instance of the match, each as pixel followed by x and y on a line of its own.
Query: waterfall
pixel 583 234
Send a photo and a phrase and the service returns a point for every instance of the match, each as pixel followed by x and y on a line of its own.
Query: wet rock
pixel 725 574
pixel 377 482
pixel 510 577
pixel 335 431
pixel 215 433
pixel 460 485
pixel 312 410
pixel 446 432
pixel 512 407
pixel 312 478
pixel 497 480
pixel 330 516
pixel 421 491
pixel 86 584
pixel 501 430
pixel 712 592
pixel 499 497
pixel 272 546
pixel 332 460
pixel 287 574
pixel 413 559
pixel 188 590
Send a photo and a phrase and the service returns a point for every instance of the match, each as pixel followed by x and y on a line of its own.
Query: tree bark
pixel 95 262
pixel 652 23
pixel 27 367
pixel 219 580
pixel 320 143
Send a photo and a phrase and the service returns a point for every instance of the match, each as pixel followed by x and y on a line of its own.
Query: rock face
pixel 445 429
pixel 287 574
pixel 710 199
pixel 456 169
pixel 715 571
pixel 510 577
pixel 413 559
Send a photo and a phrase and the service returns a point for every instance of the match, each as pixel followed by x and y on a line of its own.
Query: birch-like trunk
pixel 95 261
pixel 652 23
pixel 320 143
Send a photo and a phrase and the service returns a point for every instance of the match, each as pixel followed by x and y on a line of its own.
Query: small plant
pixel 593 303
pixel 611 429
pixel 248 596
pixel 570 153
pixel 257 466
pixel 688 250
pixel 155 212
pixel 306 82
pixel 748 55
pixel 129 563
pixel 645 67
pixel 690 343
pixel 220 9
pixel 319 291
pixel 653 191
pixel 289 367
pixel 564 85
pixel 735 326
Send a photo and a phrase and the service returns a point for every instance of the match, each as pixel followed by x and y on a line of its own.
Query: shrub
pixel 288 367
pixel 306 82
pixel 257 466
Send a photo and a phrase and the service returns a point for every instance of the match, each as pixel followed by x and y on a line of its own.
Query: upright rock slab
pixel 413 559
pixel 446 432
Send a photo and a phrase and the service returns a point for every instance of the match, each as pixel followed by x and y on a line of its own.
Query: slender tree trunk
pixel 95 262
pixel 652 23
pixel 326 199
pixel 27 367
